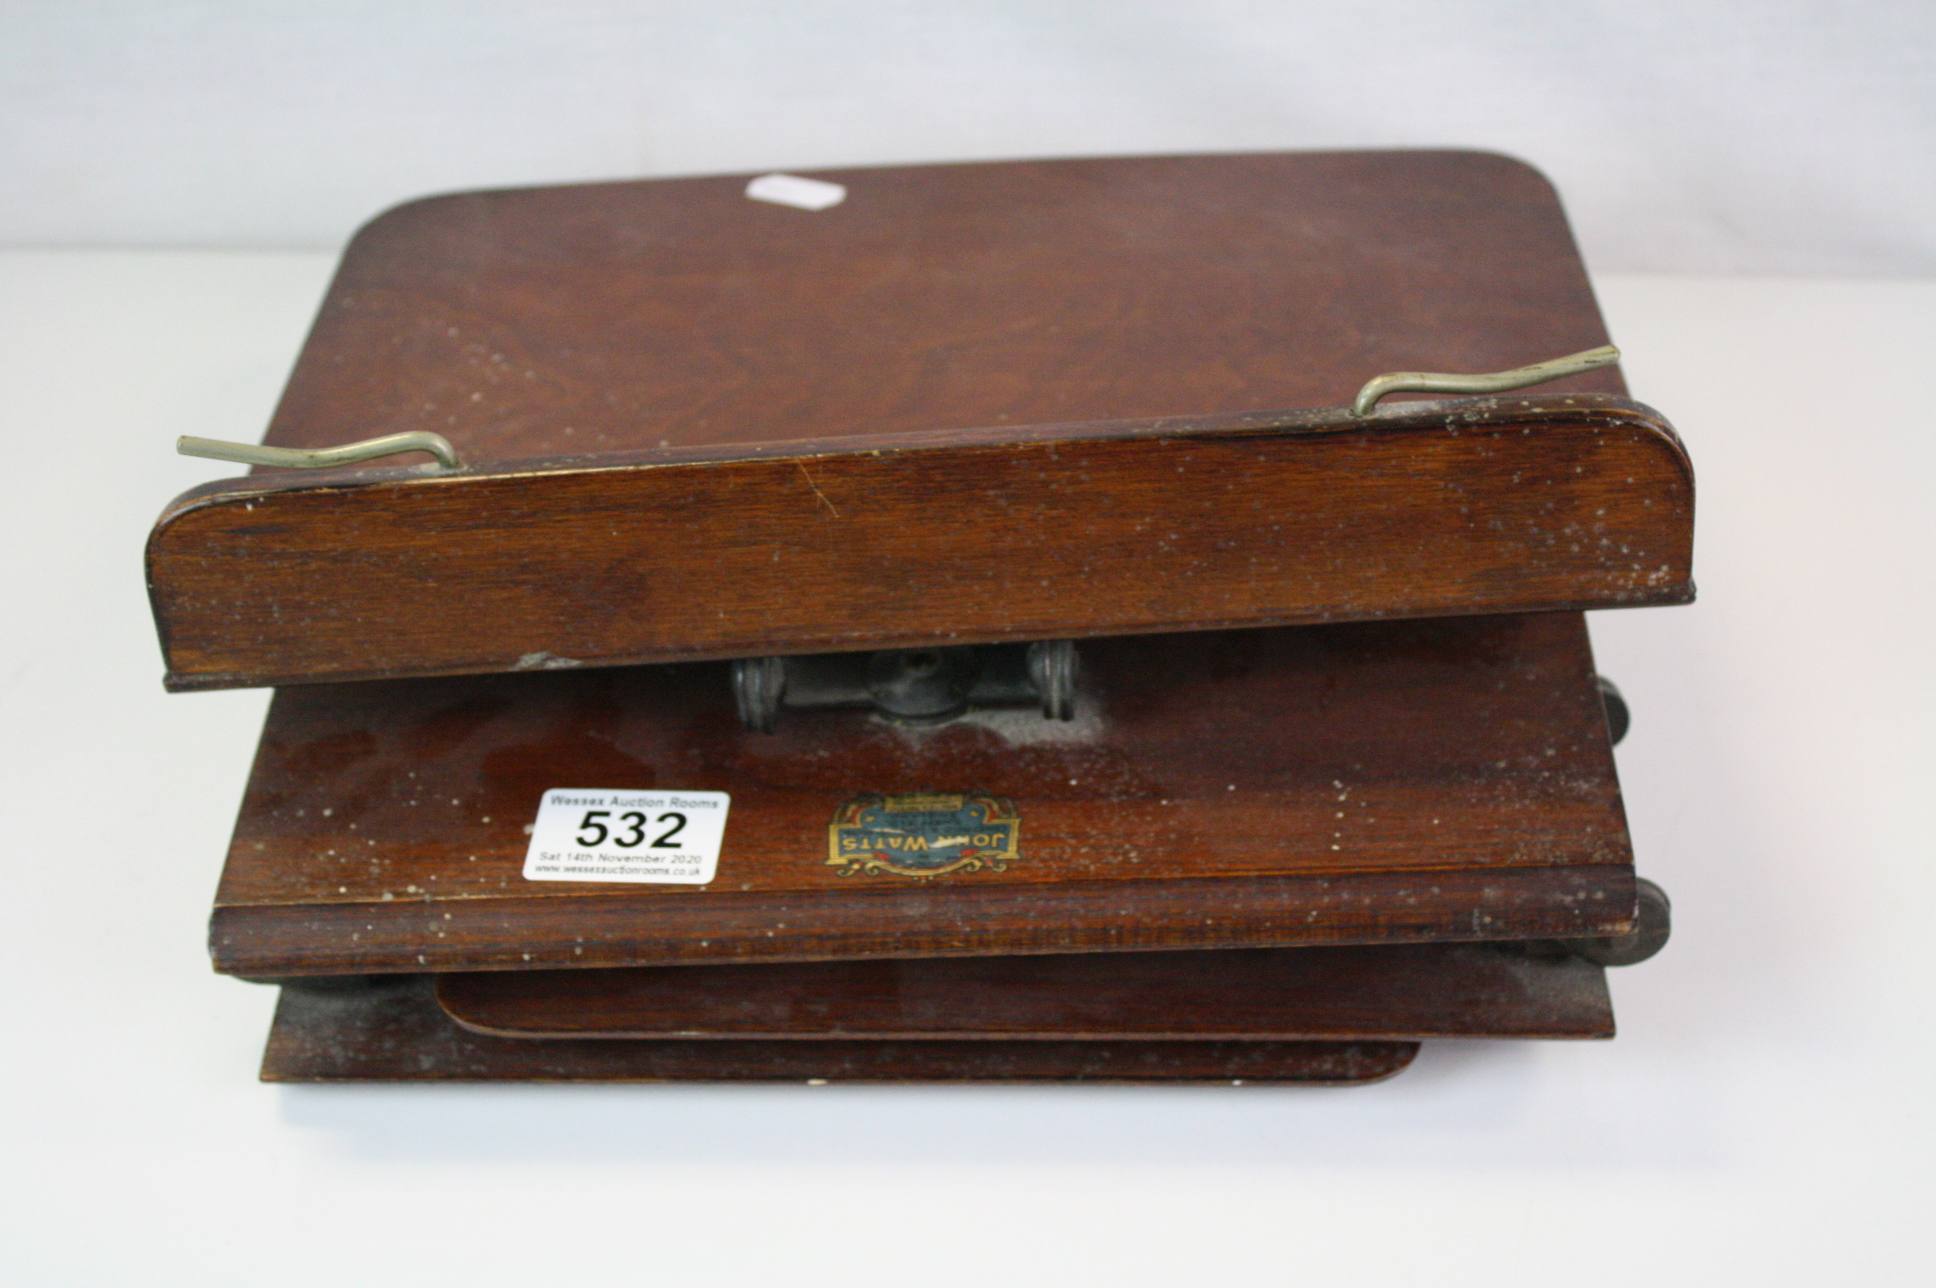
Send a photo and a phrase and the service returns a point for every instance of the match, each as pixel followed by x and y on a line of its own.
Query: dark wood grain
pixel 1476 506
pixel 1368 783
pixel 1283 994
pixel 393 1031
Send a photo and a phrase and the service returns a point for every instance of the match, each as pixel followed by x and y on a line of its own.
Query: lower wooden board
pixel 1408 991
pixel 394 1031
pixel 1368 783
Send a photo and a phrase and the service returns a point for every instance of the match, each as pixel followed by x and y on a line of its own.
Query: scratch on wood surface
pixel 831 508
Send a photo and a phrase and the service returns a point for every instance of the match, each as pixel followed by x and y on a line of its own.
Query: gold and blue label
pixel 924 834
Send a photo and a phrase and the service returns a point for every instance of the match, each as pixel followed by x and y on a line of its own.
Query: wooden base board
pixel 1330 994
pixel 394 1031
pixel 1313 1015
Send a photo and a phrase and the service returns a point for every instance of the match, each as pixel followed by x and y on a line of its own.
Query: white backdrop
pixel 1772 137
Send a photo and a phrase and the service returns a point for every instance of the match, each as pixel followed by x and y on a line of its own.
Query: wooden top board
pixel 1364 783
pixel 696 425
pixel 1426 510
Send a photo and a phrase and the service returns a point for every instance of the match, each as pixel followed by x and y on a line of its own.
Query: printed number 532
pixel 629 829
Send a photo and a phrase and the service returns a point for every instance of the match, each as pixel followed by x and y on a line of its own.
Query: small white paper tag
pixel 641 838
pixel 796 191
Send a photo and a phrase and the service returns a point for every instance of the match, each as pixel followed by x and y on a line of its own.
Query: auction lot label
pixel 640 838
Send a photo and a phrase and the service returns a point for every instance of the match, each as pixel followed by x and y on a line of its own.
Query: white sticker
pixel 642 838
pixel 796 191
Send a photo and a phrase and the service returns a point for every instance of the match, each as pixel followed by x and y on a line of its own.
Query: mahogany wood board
pixel 393 1031
pixel 672 329
pixel 1476 506
pixel 1368 783
pixel 1282 994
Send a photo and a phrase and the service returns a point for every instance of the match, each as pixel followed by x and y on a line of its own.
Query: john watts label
pixel 928 834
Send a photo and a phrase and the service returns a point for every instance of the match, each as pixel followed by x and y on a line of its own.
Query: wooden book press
pixel 887 641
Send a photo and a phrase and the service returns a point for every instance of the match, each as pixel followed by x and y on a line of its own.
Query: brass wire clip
pixel 299 458
pixel 1486 382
